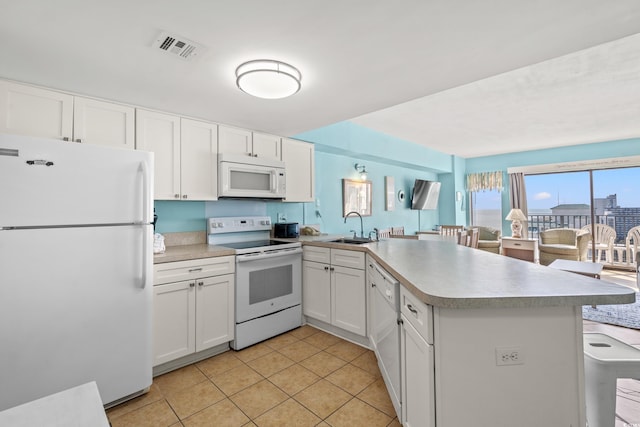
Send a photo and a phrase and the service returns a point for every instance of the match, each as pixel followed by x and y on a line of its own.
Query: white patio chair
pixel 605 237
pixel 632 243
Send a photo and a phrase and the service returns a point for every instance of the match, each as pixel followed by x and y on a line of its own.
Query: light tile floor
pixel 305 377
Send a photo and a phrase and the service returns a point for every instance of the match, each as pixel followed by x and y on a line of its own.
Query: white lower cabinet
pixel 194 314
pixel 418 399
pixel 333 293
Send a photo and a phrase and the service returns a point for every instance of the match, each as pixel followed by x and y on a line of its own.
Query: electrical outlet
pixel 281 217
pixel 509 356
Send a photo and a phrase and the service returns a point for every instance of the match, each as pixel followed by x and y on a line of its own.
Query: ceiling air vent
pixel 177 45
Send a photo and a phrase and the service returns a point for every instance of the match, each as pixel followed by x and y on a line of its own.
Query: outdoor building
pixel 574 215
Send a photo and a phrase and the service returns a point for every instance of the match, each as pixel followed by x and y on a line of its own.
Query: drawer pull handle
pixel 193 270
pixel 517 244
pixel 411 309
pixel 192 284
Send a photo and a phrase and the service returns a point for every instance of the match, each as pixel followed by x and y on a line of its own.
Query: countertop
pixel 187 252
pixel 183 252
pixel 444 274
pixel 441 273
pixel 76 407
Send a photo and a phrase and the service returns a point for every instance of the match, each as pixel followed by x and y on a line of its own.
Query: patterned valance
pixel 485 181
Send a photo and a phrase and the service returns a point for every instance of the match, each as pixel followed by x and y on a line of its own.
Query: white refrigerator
pixel 75 269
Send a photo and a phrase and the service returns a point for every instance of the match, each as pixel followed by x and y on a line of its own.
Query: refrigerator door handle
pixel 145 192
pixel 145 255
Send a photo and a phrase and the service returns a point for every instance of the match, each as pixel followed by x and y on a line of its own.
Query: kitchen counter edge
pixel 476 294
pixel 189 252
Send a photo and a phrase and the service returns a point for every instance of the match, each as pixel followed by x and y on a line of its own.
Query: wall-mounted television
pixel 425 195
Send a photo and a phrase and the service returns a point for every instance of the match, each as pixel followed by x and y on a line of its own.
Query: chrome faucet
pixel 361 227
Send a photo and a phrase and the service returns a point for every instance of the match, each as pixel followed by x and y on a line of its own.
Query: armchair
pixel 563 243
pixel 489 239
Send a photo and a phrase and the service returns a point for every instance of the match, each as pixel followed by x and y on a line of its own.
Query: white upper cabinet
pixel 266 146
pixel 103 123
pixel 26 110
pixel 241 141
pixel 234 141
pixel 198 160
pixel 33 111
pixel 298 157
pixel 160 134
pixel 185 155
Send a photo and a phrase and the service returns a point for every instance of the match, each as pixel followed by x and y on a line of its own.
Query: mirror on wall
pixel 356 197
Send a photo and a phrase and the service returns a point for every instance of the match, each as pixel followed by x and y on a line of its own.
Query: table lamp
pixel 516 217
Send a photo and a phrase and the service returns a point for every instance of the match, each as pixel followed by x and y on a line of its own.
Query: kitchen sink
pixel 352 241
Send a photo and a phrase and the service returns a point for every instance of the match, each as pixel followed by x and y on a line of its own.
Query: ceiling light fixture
pixel 362 170
pixel 268 78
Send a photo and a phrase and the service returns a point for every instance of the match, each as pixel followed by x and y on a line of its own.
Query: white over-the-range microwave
pixel 251 177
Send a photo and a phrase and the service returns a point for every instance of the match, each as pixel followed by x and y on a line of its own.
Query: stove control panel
pixel 237 224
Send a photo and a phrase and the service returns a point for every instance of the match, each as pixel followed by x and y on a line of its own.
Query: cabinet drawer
pixel 186 270
pixel 316 254
pixel 419 314
pixel 351 259
pixel 518 244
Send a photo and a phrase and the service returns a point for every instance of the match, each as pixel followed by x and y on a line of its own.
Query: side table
pixel 524 249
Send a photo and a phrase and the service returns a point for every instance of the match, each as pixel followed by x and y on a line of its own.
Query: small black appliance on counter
pixel 286 230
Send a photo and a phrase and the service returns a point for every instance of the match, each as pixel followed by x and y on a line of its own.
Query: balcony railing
pixel 621 223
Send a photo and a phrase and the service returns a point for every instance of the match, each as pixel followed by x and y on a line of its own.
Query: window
pixel 486 209
pixel 560 200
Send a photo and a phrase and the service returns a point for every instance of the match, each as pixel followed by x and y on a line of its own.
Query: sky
pixel 549 190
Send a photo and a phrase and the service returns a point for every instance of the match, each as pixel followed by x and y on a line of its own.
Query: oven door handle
pixel 270 254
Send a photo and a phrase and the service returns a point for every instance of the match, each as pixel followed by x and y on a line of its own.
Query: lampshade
pixel 516 214
pixel 268 78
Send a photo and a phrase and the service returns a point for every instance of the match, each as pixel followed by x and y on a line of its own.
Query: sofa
pixel 563 243
pixel 489 239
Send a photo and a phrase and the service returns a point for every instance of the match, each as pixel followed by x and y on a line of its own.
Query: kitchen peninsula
pixel 481 306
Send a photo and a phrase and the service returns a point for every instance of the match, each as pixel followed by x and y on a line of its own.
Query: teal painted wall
pixel 330 170
pixel 177 216
pixel 600 150
pixel 340 146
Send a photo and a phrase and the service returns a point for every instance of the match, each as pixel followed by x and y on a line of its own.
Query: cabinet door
pixel 418 398
pixel 348 300
pixel 234 141
pixel 103 123
pixel 198 160
pixel 214 311
pixel 316 291
pixel 174 308
pixel 299 162
pixel 160 134
pixel 26 110
pixel 266 146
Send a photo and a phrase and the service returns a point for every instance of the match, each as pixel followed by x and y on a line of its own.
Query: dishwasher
pixel 385 329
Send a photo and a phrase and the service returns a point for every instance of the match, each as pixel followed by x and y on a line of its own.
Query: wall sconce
pixel 460 198
pixel 362 171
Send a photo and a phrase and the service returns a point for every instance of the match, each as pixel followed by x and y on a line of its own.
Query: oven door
pixel 267 283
